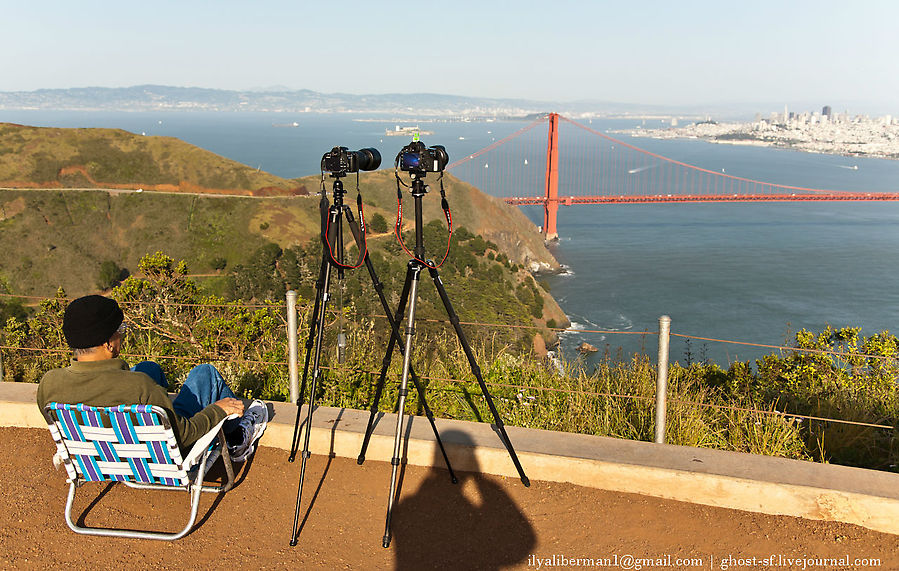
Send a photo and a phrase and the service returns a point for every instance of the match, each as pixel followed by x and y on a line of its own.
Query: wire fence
pixel 207 357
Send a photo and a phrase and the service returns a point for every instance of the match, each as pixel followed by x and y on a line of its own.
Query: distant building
pixel 826 111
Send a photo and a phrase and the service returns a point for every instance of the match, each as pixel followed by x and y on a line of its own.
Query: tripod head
pixel 337 188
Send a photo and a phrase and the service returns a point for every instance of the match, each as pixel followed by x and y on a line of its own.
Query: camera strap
pixel 398 227
pixel 330 232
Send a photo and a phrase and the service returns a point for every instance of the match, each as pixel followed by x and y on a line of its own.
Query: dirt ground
pixel 484 522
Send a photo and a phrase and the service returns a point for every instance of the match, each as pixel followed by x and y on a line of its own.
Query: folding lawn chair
pixel 133 444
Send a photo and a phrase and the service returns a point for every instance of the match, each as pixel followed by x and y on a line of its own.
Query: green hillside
pixel 245 246
pixel 43 157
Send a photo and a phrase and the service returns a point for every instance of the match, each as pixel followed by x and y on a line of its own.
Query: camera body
pixel 417 158
pixel 341 160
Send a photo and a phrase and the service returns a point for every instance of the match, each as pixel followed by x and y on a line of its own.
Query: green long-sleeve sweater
pixel 111 383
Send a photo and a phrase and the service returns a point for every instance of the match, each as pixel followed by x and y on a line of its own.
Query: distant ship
pixel 294 124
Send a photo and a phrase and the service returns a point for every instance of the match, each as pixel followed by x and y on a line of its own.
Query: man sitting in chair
pixel 94 328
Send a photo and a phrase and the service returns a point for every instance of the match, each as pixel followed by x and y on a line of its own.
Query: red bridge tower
pixel 551 202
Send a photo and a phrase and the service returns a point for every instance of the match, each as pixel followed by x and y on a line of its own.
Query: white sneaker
pixel 253 423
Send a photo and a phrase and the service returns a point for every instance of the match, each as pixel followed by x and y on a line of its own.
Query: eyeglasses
pixel 123 328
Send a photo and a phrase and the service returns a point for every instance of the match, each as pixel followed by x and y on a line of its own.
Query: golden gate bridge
pixel 623 174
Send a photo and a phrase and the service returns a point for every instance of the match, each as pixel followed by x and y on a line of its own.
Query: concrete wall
pixel 712 477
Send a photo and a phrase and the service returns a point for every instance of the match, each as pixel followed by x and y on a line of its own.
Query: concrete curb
pixel 711 477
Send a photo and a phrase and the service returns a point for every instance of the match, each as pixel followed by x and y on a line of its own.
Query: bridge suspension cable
pixel 503 141
pixel 566 168
pixel 735 179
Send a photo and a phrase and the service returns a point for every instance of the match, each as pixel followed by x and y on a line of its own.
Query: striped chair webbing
pixel 118 443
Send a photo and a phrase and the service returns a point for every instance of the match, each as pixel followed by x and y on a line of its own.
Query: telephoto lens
pixel 368 159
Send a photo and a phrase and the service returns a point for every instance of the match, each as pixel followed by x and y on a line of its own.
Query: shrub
pixel 378 224
pixel 110 275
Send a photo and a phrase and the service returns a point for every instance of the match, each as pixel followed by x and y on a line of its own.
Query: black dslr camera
pixel 340 160
pixel 416 158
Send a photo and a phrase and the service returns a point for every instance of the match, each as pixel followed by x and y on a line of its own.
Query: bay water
pixel 752 273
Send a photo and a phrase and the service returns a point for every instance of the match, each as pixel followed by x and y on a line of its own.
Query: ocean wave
pixel 556 362
pixel 581 324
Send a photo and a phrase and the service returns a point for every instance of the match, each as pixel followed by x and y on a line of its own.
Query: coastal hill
pixel 71 204
pixel 172 98
pixel 45 157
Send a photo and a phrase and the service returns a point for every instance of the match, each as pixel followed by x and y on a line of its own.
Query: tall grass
pixel 756 410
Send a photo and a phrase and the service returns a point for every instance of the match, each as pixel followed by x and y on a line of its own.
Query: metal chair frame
pixel 134 445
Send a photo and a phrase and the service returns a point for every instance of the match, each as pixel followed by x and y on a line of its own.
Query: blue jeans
pixel 204 385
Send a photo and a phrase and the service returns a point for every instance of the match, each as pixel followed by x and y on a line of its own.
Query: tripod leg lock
pixel 404 392
pixel 394 461
pixel 306 454
pixel 410 330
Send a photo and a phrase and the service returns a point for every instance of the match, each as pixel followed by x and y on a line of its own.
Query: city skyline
pixel 804 54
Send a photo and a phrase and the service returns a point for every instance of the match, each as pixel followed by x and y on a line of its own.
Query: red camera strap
pixel 398 227
pixel 363 246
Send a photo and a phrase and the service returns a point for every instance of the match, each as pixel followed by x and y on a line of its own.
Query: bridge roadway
pixel 698 198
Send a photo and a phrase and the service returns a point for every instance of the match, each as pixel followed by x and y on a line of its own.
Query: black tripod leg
pixel 310 341
pixel 316 372
pixel 476 370
pixel 385 364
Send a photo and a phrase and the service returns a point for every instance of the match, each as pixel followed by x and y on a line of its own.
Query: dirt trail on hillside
pixel 484 522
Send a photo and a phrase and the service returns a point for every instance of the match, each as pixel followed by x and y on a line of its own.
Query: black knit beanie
pixel 90 321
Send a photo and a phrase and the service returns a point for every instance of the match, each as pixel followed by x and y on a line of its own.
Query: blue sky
pixel 654 52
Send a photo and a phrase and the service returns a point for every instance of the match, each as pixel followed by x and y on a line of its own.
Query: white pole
pixel 293 365
pixel 662 378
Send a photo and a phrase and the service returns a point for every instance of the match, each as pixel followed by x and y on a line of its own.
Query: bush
pixel 378 224
pixel 110 275
pixel 12 309
pixel 741 409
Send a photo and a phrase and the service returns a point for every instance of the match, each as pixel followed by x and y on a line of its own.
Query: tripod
pixel 410 291
pixel 332 243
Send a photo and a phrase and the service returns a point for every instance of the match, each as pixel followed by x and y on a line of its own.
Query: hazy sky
pixel 842 53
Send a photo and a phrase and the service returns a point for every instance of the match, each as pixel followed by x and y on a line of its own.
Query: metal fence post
pixel 293 365
pixel 662 379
